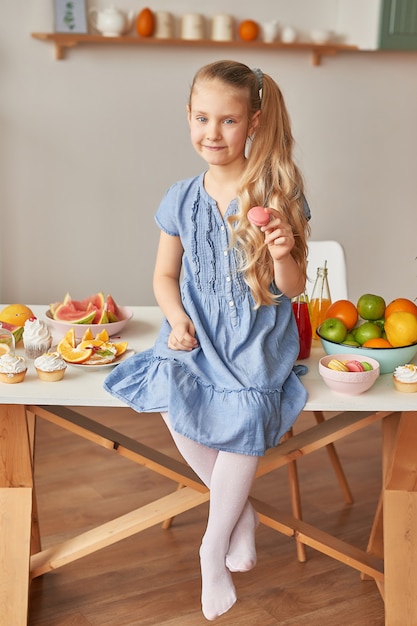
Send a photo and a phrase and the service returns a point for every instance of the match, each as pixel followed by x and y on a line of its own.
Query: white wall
pixel 89 145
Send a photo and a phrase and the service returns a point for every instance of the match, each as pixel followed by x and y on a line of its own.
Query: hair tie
pixel 259 77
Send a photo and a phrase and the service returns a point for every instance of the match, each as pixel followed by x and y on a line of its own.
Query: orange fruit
pixel 87 335
pixel 377 343
pixel 145 23
pixel 401 304
pixel 16 314
pixel 248 30
pixel 4 348
pixel 90 343
pixel 70 337
pixel 345 311
pixel 401 328
pixel 120 347
pixel 73 355
pixel 103 335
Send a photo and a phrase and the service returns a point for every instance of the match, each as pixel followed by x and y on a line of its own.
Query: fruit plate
pixel 114 328
pixel 388 358
pixel 99 366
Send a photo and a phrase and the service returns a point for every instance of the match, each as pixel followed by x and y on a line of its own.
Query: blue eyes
pixel 204 120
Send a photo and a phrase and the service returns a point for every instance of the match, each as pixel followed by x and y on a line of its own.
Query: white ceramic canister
pixel 164 28
pixel 222 27
pixel 192 26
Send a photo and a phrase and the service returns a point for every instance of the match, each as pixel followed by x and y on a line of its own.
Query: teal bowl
pixel 388 358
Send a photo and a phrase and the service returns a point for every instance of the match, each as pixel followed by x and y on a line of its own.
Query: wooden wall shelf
pixel 62 41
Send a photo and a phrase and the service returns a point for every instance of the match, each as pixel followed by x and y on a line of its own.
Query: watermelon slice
pixel 17 331
pixel 69 313
pixel 95 309
pixel 113 311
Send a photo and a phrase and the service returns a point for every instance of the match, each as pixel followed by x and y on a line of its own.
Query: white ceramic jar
pixel 164 28
pixel 192 26
pixel 222 27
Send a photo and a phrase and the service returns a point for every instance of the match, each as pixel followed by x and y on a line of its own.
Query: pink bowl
pixel 351 383
pixel 114 328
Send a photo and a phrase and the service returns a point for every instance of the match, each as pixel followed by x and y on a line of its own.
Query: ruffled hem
pixel 243 421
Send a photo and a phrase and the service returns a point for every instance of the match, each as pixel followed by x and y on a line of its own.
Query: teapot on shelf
pixel 110 22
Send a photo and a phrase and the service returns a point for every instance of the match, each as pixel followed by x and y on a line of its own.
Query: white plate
pixel 99 366
pixel 113 329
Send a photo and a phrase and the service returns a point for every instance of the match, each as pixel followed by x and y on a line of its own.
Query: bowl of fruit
pixel 100 312
pixel 345 374
pixel 372 329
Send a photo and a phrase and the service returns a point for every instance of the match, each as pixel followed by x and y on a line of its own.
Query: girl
pixel 221 372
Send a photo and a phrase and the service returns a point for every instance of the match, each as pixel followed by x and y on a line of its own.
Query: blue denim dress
pixel 237 391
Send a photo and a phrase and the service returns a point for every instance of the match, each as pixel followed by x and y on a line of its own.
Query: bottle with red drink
pixel 301 309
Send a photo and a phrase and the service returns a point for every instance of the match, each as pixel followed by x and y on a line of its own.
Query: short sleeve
pixel 166 215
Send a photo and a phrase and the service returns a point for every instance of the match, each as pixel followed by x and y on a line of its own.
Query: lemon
pixel 4 348
pixel 16 314
pixel 401 328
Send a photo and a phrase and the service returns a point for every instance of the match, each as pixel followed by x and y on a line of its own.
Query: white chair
pixel 333 254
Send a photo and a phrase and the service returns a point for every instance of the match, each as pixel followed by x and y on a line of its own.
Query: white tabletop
pixel 83 387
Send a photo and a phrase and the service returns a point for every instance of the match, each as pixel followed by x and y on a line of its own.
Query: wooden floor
pixel 153 577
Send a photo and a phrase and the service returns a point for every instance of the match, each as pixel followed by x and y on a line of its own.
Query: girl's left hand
pixel 278 235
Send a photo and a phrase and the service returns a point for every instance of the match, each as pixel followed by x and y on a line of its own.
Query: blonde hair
pixel 271 177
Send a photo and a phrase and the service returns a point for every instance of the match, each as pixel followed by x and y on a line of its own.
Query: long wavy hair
pixel 271 177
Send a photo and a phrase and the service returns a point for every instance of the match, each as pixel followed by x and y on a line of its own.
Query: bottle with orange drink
pixel 320 299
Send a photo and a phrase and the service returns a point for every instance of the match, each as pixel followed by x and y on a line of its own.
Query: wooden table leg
pixel 16 483
pixel 400 526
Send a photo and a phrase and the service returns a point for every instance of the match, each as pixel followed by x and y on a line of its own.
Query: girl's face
pixel 219 125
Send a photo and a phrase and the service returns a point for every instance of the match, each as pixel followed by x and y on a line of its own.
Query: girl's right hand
pixel 182 336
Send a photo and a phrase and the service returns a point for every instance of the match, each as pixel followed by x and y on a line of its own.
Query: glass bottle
pixel 320 299
pixel 301 309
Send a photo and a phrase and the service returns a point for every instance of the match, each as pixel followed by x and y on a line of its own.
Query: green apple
pixel 350 340
pixel 333 329
pixel 367 330
pixel 371 307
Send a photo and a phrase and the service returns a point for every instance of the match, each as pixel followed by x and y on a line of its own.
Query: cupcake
pixel 50 366
pixel 405 378
pixel 36 338
pixel 12 368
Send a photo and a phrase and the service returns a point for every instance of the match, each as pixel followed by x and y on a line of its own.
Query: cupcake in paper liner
pixel 37 338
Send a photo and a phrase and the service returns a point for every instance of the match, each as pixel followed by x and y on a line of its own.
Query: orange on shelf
pixel 248 30
pixel 145 23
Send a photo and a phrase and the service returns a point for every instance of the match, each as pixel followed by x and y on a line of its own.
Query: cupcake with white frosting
pixel 13 368
pixel 50 366
pixel 36 338
pixel 405 378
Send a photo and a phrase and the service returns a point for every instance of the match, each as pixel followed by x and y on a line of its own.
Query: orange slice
pixel 73 355
pixel 87 335
pixel 70 337
pixel 120 347
pixel 103 335
pixel 90 343
pixel 4 348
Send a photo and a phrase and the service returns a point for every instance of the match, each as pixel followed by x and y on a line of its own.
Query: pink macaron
pixel 258 216
pixel 354 366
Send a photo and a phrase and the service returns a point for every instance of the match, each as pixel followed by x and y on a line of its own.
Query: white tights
pixel 228 544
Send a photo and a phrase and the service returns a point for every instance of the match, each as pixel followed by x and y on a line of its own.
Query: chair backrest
pixel 333 253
